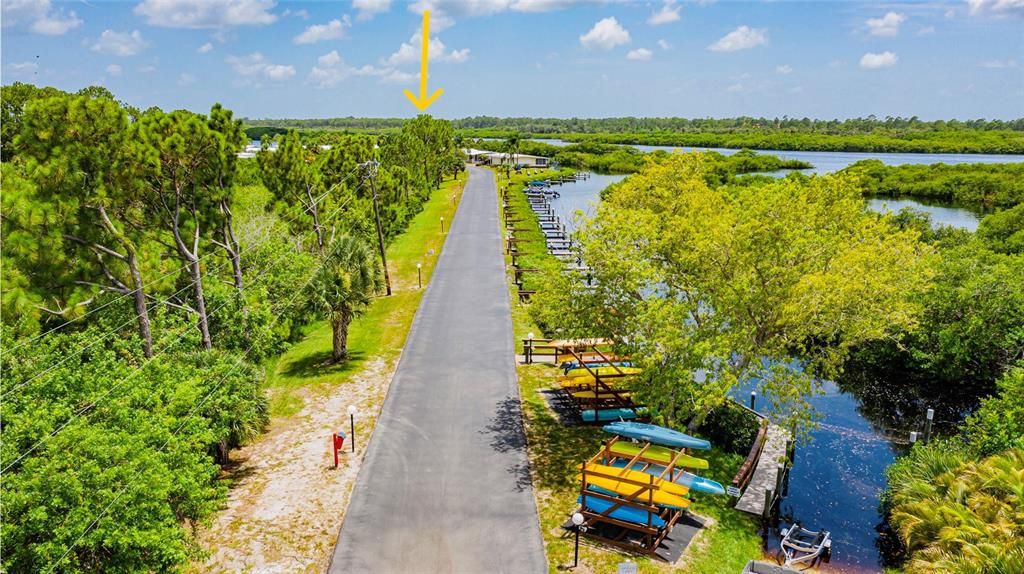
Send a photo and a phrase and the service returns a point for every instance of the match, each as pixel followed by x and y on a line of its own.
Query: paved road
pixel 445 486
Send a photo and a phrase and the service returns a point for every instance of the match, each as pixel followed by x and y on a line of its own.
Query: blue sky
pixel 551 58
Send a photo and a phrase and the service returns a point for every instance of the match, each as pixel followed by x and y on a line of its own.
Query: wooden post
pixel 766 513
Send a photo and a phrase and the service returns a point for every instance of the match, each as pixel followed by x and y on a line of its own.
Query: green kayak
pixel 657 453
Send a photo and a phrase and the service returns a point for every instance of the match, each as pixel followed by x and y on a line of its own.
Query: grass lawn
pixel 379 334
pixel 555 452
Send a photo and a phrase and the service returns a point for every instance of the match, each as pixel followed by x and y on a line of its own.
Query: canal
pixel 839 474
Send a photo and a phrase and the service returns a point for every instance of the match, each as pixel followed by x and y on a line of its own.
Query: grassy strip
pixel 380 333
pixel 555 451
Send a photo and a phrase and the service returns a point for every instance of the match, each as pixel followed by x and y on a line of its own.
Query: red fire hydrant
pixel 338 440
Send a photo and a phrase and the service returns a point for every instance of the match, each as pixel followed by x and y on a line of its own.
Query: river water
pixel 839 473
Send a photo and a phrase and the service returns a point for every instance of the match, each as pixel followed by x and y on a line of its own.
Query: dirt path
pixel 287 500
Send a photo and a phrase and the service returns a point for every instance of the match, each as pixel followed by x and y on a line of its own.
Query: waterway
pixel 839 474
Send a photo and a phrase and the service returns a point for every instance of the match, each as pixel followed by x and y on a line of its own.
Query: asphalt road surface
pixel 445 486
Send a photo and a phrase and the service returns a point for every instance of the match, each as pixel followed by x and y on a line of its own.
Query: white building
pixel 484 157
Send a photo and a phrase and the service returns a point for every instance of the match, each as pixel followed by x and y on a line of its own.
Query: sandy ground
pixel 287 501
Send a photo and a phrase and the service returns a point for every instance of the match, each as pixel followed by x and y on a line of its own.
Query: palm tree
pixel 957 515
pixel 512 147
pixel 343 286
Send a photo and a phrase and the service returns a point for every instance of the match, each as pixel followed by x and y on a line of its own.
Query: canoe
pixel 626 490
pixel 687 479
pixel 656 434
pixel 607 415
pixel 600 395
pixel 657 453
pixel 638 476
pixel 623 513
pixel 603 371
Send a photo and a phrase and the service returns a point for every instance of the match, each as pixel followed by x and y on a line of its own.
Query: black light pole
pixel 419 274
pixel 352 425
pixel 577 519
pixel 442 225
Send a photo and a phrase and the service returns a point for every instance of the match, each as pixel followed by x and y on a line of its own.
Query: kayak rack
pixel 598 394
pixel 613 520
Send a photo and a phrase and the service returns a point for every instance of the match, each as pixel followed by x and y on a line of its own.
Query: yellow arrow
pixel 423 102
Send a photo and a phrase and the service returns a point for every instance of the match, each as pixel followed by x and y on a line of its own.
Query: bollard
pixel 929 416
pixel 913 437
pixel 753 400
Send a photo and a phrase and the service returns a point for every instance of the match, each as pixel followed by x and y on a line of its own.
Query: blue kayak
pixel 687 479
pixel 623 513
pixel 656 434
pixel 607 415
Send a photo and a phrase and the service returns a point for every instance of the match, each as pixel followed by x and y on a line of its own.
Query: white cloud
pixel 319 32
pixel 669 13
pixel 664 45
pixel 186 79
pixel 999 64
pixel 606 34
pixel 369 8
pixel 735 88
pixel 147 69
pixel 56 23
pixel 279 72
pixel 331 69
pixel 114 70
pixel 926 30
pixel 206 13
pixel 255 65
pixel 872 61
pixel 741 38
pixel 443 12
pixel 23 68
pixel 996 7
pixel 950 14
pixel 888 25
pixel 303 13
pixel 640 54
pixel 409 52
pixel 784 69
pixel 40 15
pixel 207 47
pixel 119 43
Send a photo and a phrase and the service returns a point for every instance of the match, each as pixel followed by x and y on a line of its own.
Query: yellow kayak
pixel 600 395
pixel 570 382
pixel 661 484
pixel 657 453
pixel 627 490
pixel 602 372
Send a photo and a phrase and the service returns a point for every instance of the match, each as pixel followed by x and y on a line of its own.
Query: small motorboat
pixel 802 546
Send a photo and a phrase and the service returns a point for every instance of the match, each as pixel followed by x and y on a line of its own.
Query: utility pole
pixel 372 165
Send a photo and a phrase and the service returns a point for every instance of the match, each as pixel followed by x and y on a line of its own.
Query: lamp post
pixel 352 425
pixel 528 348
pixel 577 520
pixel 419 274
pixel 442 224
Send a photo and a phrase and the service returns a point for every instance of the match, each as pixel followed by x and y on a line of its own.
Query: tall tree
pixel 180 156
pixel 343 286
pixel 291 175
pixel 226 159
pixel 86 185
pixel 712 287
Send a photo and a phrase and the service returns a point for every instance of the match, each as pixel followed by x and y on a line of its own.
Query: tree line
pixel 148 271
pixel 975 184
pixel 867 124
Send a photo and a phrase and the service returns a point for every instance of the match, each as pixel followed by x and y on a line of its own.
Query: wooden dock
pixel 766 478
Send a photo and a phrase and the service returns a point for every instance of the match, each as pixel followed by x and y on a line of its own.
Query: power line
pixel 166 300
pixel 135 478
pixel 82 410
pixel 306 209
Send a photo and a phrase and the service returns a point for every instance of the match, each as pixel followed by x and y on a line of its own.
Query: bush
pixel 731 428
